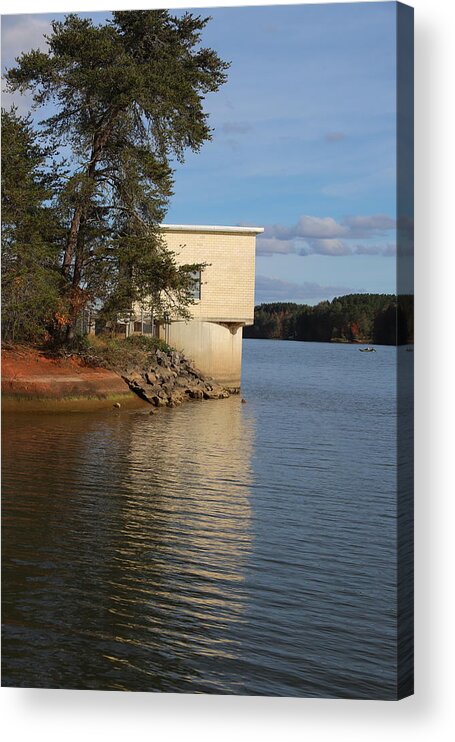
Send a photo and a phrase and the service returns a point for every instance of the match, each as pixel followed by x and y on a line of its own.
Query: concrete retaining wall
pixel 216 349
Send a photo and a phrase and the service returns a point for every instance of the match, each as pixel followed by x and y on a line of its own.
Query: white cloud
pixel 313 227
pixel 21 34
pixel 320 227
pixel 23 103
pixel 327 236
pixel 272 246
pixel 369 226
pixel 274 289
pixel 329 247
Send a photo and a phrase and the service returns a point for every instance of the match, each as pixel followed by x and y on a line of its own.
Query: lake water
pixel 218 547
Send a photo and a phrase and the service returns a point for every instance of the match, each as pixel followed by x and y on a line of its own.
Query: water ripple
pixel 216 547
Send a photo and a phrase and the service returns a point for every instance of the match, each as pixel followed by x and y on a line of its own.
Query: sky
pixel 304 142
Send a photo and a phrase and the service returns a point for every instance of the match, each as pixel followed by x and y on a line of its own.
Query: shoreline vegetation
pixel 102 371
pixel 85 190
pixel 381 319
pixel 84 193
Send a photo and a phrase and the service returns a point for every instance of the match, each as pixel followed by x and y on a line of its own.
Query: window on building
pixel 196 286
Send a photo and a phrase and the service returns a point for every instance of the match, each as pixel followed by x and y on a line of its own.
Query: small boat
pixel 367 350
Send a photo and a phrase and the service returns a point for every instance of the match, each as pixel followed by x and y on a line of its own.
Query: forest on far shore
pixel 384 319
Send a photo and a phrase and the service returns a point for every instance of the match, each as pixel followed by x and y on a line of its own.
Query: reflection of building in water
pixel 126 557
pixel 193 464
pixel 187 521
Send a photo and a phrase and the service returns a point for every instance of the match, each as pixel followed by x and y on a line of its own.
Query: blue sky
pixel 303 142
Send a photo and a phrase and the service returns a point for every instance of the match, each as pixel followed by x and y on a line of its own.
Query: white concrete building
pixel 224 301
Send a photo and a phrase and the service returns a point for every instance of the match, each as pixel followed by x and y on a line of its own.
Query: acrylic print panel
pixel 207 364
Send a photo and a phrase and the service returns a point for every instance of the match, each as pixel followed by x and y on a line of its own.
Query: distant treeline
pixel 363 318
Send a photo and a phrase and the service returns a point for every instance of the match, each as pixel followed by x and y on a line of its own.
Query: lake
pixel 218 547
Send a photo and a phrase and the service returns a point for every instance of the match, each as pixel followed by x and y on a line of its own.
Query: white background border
pixel 78 715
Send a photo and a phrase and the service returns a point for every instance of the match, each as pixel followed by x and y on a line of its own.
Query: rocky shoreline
pixel 33 380
pixel 170 380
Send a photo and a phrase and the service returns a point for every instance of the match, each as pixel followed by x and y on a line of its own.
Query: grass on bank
pixel 122 354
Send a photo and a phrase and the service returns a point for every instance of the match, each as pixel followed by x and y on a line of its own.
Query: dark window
pixel 196 284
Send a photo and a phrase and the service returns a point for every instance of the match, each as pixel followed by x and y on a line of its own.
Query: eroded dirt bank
pixel 32 379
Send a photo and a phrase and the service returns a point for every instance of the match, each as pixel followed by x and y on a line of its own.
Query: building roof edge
pixel 209 228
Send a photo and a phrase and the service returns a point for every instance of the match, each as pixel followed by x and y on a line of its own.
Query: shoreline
pixel 33 381
pixel 335 342
pixel 22 404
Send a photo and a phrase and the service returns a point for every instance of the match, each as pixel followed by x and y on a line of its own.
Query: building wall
pixel 214 348
pixel 213 337
pixel 227 291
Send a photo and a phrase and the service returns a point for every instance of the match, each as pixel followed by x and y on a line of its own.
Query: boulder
pixel 171 380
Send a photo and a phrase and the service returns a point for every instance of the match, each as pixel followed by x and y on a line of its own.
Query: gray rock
pixel 171 380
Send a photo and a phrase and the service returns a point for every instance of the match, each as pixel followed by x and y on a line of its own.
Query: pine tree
pixel 129 96
pixel 31 279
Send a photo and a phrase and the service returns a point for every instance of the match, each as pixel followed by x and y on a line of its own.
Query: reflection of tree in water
pixel 185 542
pixel 60 477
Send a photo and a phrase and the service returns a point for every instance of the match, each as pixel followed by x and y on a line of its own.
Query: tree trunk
pixel 74 246
pixel 75 304
pixel 71 331
pixel 72 241
pixel 100 139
